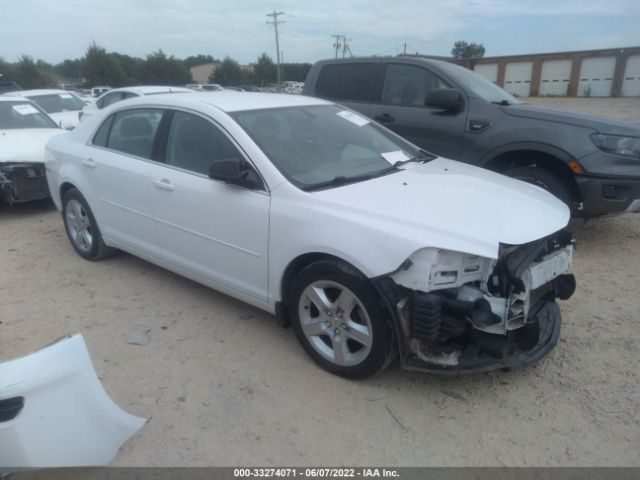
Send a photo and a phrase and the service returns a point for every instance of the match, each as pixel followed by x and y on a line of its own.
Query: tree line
pixel 99 67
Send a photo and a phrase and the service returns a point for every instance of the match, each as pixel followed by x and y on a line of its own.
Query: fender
pixel 556 152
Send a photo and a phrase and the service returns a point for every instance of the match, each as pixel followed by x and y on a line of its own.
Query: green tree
pixel 296 72
pixel 101 68
pixel 131 67
pixel 264 70
pixel 30 74
pixel 194 60
pixel 229 72
pixel 463 50
pixel 6 69
pixel 158 69
pixel 69 70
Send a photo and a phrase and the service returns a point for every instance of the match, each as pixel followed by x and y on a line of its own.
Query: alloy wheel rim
pixel 335 323
pixel 79 225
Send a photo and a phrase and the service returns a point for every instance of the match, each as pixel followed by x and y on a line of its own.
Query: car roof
pixel 42 91
pixel 14 98
pixel 149 89
pixel 231 101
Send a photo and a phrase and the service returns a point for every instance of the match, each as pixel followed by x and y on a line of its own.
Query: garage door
pixel 488 71
pixel 517 78
pixel 596 77
pixel 554 78
pixel 631 79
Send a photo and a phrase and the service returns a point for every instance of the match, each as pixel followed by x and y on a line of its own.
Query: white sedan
pixel 365 244
pixel 24 131
pixel 62 106
pixel 114 95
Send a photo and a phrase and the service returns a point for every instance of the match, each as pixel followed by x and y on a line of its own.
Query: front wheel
pixel 82 228
pixel 339 320
pixel 543 179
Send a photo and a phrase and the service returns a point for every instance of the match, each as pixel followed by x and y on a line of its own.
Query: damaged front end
pixel 22 182
pixel 462 313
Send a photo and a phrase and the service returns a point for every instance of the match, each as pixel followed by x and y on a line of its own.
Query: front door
pixel 401 108
pixel 216 231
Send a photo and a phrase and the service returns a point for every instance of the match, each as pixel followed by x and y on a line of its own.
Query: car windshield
pixel 324 145
pixel 23 115
pixel 478 85
pixel 58 102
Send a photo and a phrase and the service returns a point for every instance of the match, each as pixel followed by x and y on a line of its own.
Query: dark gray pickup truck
pixel 591 163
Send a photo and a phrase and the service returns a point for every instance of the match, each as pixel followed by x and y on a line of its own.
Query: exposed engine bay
pixel 459 312
pixel 22 182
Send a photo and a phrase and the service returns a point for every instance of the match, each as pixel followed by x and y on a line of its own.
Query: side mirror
pixel 448 99
pixel 232 171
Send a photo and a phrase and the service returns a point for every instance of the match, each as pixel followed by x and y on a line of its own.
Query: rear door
pixel 400 107
pixel 351 84
pixel 118 170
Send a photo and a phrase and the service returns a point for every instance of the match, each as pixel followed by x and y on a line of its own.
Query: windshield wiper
pixel 504 103
pixel 340 180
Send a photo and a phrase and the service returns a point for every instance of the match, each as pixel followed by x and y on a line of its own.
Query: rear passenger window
pixel 100 138
pixel 110 99
pixel 352 81
pixel 134 131
pixel 409 85
pixel 195 143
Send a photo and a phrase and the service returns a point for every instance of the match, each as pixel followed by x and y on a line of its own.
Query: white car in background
pixel 364 243
pixel 97 91
pixel 205 87
pixel 24 131
pixel 118 94
pixel 62 106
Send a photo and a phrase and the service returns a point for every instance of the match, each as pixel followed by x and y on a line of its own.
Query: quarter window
pixel 100 138
pixel 408 85
pixel 352 81
pixel 195 143
pixel 134 131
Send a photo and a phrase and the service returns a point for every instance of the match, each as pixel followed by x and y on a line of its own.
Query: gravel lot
pixel 225 385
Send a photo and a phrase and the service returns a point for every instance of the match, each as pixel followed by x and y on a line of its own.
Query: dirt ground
pixel 225 385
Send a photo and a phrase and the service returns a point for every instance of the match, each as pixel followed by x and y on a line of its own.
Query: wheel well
pixel 523 158
pixel 65 187
pixel 297 265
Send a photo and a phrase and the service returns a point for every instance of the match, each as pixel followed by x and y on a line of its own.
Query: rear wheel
pixel 339 320
pixel 82 228
pixel 543 179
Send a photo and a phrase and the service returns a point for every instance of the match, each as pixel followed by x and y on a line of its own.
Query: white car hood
pixel 453 205
pixel 25 145
pixel 68 119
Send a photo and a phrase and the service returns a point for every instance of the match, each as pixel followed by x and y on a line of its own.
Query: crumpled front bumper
pixel 23 182
pixel 476 358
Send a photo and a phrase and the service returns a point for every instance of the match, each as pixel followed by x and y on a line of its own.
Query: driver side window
pixel 408 85
pixel 194 143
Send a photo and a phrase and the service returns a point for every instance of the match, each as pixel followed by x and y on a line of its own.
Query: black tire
pixel 96 248
pixel 543 179
pixel 381 351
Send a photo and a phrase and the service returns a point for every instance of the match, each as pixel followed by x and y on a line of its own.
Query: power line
pixel 342 41
pixel 275 24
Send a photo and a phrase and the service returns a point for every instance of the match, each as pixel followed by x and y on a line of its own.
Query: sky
pixel 63 29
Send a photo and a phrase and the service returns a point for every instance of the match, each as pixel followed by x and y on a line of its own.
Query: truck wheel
pixel 82 228
pixel 340 321
pixel 543 179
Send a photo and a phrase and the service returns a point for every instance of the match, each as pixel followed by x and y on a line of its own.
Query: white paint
pixel 631 78
pixel 488 71
pixel 517 78
pixel 68 419
pixel 555 77
pixel 374 225
pixel 596 77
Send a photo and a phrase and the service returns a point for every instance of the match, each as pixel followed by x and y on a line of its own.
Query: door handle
pixel 384 118
pixel 164 184
pixel 89 162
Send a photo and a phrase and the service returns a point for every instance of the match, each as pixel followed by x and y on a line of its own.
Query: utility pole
pixel 404 52
pixel 345 46
pixel 337 43
pixel 275 24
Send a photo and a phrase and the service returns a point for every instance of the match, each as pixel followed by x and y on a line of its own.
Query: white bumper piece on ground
pixel 54 412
